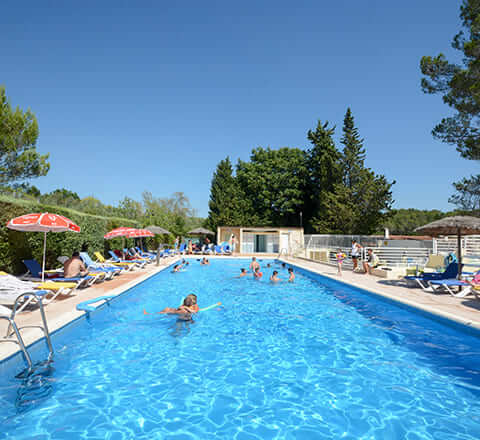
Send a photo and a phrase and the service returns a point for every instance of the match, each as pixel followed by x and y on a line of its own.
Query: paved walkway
pixel 463 310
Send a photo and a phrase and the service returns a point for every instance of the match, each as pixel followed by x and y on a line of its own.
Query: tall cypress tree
pixel 353 158
pixel 224 207
pixel 324 172
pixel 361 201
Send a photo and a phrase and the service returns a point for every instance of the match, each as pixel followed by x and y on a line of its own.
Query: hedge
pixel 16 246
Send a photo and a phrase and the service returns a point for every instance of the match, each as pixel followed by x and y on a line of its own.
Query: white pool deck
pixel 465 311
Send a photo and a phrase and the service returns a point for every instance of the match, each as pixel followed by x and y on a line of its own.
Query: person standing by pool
pixel 291 277
pixel 356 252
pixel 340 256
pixel 254 264
pixel 177 241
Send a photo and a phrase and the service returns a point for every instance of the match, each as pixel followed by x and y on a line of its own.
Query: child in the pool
pixel 257 274
pixel 291 277
pixel 176 268
pixel 340 256
pixel 243 272
pixel 274 278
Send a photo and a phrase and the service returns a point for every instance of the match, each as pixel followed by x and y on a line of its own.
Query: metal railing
pixel 388 257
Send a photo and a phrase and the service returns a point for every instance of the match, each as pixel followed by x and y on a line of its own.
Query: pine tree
pixel 362 200
pixel 353 157
pixel 224 206
pixel 324 172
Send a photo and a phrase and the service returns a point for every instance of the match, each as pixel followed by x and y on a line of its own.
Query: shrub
pixel 16 246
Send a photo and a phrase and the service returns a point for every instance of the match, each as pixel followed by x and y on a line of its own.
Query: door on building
pixel 260 243
pixel 285 242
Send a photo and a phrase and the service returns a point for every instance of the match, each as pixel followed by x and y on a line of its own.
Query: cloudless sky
pixel 151 95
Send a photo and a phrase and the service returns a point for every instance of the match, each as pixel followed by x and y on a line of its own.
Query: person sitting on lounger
pixel 74 267
pixel 372 262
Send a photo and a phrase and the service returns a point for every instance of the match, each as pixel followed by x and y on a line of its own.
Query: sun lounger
pixel 115 259
pixel 449 286
pixel 11 287
pixel 92 266
pixel 34 273
pixel 126 266
pixel 450 273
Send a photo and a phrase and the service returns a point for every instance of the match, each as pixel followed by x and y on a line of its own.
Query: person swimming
pixel 284 265
pixel 257 274
pixel 243 272
pixel 188 308
pixel 176 268
pixel 291 277
pixel 274 278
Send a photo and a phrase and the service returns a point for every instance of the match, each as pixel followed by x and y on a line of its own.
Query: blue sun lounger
pixel 449 284
pixel 96 267
pixel 35 271
pixel 450 273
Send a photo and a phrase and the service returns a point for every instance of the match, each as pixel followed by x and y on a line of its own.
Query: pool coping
pixel 33 336
pixel 468 325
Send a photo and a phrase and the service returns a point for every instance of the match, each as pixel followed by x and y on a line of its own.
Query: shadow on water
pixel 439 347
pixel 35 387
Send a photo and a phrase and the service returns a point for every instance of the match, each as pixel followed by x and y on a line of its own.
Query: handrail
pixel 85 305
pixel 19 340
pixel 281 251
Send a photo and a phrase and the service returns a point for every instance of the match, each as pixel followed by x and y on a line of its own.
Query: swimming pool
pixel 309 360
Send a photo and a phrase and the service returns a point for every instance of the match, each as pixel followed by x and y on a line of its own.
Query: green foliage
pixel 324 173
pixel 362 200
pixel 404 221
pixel 468 194
pixel 459 85
pixel 16 246
pixel 334 190
pixel 226 206
pixel 18 137
pixel 273 182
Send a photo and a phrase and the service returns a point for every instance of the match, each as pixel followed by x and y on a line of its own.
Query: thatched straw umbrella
pixel 200 231
pixel 157 230
pixel 458 225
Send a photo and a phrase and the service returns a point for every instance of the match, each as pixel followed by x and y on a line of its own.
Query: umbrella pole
pixel 44 251
pixel 459 253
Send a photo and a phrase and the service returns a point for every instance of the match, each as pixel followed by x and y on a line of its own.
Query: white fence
pixel 391 253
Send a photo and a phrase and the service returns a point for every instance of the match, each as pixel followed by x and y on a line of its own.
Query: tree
pixel 460 89
pixel 468 194
pixel 62 197
pixel 19 158
pixel 404 221
pixel 225 205
pixel 361 201
pixel 272 185
pixel 324 172
pixel 352 160
pixel 129 208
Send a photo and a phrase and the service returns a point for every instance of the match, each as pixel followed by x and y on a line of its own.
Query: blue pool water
pixel 309 360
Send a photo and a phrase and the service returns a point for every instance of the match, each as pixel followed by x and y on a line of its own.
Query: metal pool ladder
pixel 14 330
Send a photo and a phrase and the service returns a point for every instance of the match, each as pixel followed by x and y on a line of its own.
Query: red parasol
pixel 44 222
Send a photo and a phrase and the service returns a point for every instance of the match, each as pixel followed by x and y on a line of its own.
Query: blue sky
pixel 151 95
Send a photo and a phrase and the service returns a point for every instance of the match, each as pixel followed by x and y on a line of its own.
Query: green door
pixel 260 243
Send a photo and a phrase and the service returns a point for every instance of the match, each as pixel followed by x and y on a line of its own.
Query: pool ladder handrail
pixel 281 252
pixel 13 329
pixel 85 305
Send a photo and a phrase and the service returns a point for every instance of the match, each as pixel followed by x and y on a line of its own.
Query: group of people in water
pixel 255 269
pixel 189 305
